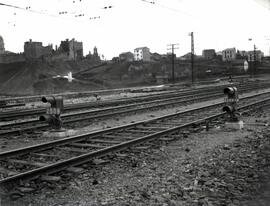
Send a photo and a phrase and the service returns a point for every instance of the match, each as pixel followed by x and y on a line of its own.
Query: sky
pixel 128 24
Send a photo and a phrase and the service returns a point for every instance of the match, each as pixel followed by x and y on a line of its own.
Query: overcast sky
pixel 217 24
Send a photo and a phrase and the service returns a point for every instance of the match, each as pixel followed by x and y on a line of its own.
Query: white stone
pixel 235 125
pixel 60 134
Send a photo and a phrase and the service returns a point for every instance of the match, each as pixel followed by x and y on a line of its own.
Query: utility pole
pixel 252 71
pixel 192 57
pixel 172 52
pixel 268 40
pixel 254 61
pixel 73 49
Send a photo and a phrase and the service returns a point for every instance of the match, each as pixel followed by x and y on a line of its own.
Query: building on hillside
pixel 35 50
pixel 72 48
pixel 64 46
pixel 2 45
pixel 159 57
pixel 75 50
pixel 142 54
pixel 187 56
pixel 229 54
pixel 126 56
pixel 155 56
pixel 95 56
pixel 209 54
pixel 241 54
pixel 95 53
pixel 258 55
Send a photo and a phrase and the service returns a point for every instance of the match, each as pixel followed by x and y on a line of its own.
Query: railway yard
pixel 166 145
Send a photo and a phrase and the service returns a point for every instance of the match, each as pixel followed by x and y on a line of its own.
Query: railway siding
pixel 32 168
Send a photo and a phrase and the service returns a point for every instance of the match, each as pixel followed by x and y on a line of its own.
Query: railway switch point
pixel 52 116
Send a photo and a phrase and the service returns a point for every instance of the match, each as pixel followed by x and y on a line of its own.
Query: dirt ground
pixel 206 168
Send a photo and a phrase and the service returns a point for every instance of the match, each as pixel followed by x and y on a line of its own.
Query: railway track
pixel 11 105
pixel 84 94
pixel 14 114
pixel 101 104
pixel 27 99
pixel 35 124
pixel 17 127
pixel 51 157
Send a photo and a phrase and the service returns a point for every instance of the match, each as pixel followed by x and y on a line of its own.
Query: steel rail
pixel 108 103
pixel 12 105
pixel 110 113
pixel 29 112
pixel 161 102
pixel 83 94
pixel 74 161
pixel 68 107
pixel 50 144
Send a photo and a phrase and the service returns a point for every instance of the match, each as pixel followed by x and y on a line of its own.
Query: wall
pixel 35 50
pixel 146 54
pixel 58 56
pixel 11 58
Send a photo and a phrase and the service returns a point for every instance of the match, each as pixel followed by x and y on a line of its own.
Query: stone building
pixel 126 56
pixel 95 56
pixel 73 48
pixel 35 50
pixel 258 54
pixel 229 54
pixel 209 54
pixel 142 54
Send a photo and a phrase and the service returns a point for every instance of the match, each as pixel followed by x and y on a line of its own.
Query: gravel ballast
pixel 200 168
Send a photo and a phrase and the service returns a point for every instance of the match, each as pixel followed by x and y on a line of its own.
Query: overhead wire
pixel 61 14
pixel 28 8
pixel 154 2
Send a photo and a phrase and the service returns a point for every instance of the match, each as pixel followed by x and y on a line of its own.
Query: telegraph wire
pixel 166 7
pixel 28 8
pixel 61 14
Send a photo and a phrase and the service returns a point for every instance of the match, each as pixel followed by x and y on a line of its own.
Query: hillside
pixel 39 77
